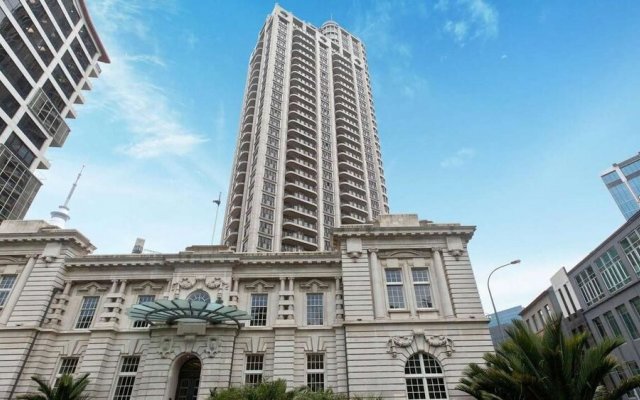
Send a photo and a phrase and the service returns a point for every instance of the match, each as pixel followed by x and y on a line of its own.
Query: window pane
pixel 88 310
pixel 420 274
pixel 199 295
pixel 315 309
pixel 613 324
pixel 145 298
pixel 393 275
pixel 396 297
pixel 68 365
pixel 259 309
pixel 423 296
pixel 628 321
pixel 613 272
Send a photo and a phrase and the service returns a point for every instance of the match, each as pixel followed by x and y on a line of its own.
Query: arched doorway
pixel 189 379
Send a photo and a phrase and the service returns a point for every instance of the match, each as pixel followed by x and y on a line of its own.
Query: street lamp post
pixel 495 312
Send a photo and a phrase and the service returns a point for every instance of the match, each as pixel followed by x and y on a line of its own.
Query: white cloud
pixel 147 110
pixel 470 19
pixel 461 157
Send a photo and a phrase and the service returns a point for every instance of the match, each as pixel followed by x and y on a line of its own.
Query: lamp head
pixel 515 262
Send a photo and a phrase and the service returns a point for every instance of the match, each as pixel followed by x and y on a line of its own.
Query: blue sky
pixel 495 114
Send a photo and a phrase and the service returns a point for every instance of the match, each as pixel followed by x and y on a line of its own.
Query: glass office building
pixel 623 182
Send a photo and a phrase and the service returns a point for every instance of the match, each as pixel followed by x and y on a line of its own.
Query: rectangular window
pixel 628 321
pixel 8 103
pixel 315 372
pixel 268 200
pixel 613 324
pixel 144 298
pixel 32 131
pixel 600 327
pixel 315 309
pixel 264 242
pixel 395 291
pixel 422 287
pixel 68 366
pixel 266 213
pixel 589 286
pixel 635 303
pixel 253 369
pixel 126 378
pixel 535 322
pixel 631 247
pixel 6 285
pixel 613 272
pixel 87 311
pixel 259 309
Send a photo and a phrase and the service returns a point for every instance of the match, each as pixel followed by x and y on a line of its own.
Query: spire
pixel 60 216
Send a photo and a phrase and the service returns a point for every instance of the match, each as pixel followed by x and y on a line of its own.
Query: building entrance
pixel 189 379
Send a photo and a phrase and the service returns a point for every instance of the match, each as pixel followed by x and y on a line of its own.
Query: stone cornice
pixel 46 235
pixel 417 231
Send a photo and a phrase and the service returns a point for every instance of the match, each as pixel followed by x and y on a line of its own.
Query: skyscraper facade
pixel 308 154
pixel 623 182
pixel 48 51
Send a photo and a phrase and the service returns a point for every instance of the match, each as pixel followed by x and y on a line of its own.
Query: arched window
pixel 424 377
pixel 199 295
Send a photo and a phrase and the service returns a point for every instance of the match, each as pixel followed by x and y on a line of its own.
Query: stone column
pixel 377 286
pixel 339 301
pixel 444 297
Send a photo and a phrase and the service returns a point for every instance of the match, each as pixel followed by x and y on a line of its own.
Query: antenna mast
pixel 60 216
pixel 215 221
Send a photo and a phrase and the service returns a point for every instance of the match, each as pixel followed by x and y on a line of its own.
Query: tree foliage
pixel 528 366
pixel 68 389
pixel 277 390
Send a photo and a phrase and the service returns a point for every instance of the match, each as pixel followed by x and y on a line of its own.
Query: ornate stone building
pixel 392 311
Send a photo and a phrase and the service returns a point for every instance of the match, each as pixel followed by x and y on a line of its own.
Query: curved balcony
pixel 347 147
pixel 244 145
pixel 348 185
pixel 298 72
pixel 251 102
pixel 351 175
pixel 342 85
pixel 306 167
pixel 300 45
pixel 302 144
pixel 234 224
pixel 348 138
pixel 236 199
pixel 306 117
pixel 300 224
pixel 304 188
pixel 253 87
pixel 299 152
pixel 342 104
pixel 232 239
pixel 293 196
pixel 309 89
pixel 299 65
pixel 350 166
pixel 304 55
pixel 353 118
pixel 297 105
pixel 302 125
pixel 348 122
pixel 292 209
pixel 234 211
pixel 297 33
pixel 349 95
pixel 303 61
pixel 308 243
pixel 339 69
pixel 301 134
pixel 298 96
pixel 353 196
pixel 354 208
pixel 301 180
pixel 246 128
pixel 352 219
pixel 241 166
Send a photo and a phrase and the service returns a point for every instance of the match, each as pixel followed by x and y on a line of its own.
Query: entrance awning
pixel 171 311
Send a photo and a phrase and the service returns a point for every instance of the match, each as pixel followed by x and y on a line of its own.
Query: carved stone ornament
pixel 212 347
pixel 399 341
pixel 166 347
pixel 186 282
pixel 441 341
pixel 216 283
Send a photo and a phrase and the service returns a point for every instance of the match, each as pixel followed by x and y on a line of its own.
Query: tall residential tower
pixel 308 154
pixel 623 182
pixel 48 51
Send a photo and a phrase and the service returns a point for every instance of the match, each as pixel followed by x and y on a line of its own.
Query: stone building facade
pixel 393 311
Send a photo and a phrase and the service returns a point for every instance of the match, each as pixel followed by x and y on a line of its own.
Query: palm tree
pixel 67 388
pixel 552 366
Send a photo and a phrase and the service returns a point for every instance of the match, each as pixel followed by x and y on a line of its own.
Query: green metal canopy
pixel 171 311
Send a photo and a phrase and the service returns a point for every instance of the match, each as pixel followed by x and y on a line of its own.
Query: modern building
pixel 48 51
pixel 601 295
pixel 393 311
pixel 506 318
pixel 308 154
pixel 623 182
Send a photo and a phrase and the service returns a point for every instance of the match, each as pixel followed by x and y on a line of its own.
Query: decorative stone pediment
pixel 147 287
pixel 404 253
pixel 186 282
pixel 419 341
pixel 314 285
pixel 258 286
pixel 8 260
pixel 92 288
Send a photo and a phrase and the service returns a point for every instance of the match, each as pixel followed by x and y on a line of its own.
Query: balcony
pixel 348 138
pixel 298 97
pixel 350 166
pixel 303 84
pixel 310 78
pixel 348 122
pixel 234 212
pixel 304 61
pixel 301 199
pixel 293 210
pixel 299 185
pixel 353 219
pixel 296 133
pixel 304 55
pixel 296 238
pixel 349 185
pixel 299 151
pixel 354 208
pixel 350 174
pixel 305 126
pixel 300 224
pixel 339 90
pixel 353 196
pixel 300 45
pixel 300 167
pixel 234 224
pixel 49 117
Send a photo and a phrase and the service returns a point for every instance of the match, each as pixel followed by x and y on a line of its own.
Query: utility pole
pixel 215 221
